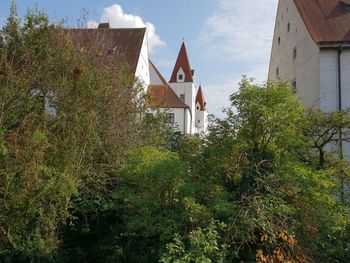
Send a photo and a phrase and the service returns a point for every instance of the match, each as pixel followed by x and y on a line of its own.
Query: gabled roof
pixel 182 62
pixel 201 100
pixel 123 42
pixel 162 96
pixel 328 21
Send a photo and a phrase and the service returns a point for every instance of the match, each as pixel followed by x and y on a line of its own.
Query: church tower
pixel 182 82
pixel 201 112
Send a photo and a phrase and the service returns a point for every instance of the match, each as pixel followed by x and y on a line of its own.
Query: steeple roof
pixel 201 100
pixel 182 62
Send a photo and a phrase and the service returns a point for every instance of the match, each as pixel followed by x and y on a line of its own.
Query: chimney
pixel 104 26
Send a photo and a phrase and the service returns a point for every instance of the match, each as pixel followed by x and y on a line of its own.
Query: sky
pixel 225 39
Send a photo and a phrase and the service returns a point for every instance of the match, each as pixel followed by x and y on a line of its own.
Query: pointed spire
pixel 201 100
pixel 182 62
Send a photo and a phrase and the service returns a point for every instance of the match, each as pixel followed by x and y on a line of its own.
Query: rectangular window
pixel 182 97
pixel 171 118
pixel 180 77
pixel 294 85
pixel 149 115
pixel 295 53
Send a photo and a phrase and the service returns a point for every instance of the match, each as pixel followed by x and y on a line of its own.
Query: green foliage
pixel 79 184
pixel 203 245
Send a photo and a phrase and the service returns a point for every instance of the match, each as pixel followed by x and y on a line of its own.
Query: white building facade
pixel 186 113
pixel 311 50
pixel 177 97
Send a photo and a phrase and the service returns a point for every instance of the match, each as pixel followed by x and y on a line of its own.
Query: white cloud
pixel 241 29
pixel 117 18
pixel 239 32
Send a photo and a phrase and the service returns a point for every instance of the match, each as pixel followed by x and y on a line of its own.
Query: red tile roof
pixel 182 62
pixel 162 96
pixel 201 100
pixel 123 42
pixel 328 21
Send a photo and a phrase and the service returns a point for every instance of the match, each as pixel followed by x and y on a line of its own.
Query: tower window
pixel 294 53
pixel 288 27
pixel 197 108
pixel 199 121
pixel 171 118
pixel 279 40
pixel 182 97
pixel 277 72
pixel 294 85
pixel 181 77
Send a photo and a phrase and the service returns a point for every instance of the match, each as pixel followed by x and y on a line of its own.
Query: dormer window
pixel 180 75
pixel 111 51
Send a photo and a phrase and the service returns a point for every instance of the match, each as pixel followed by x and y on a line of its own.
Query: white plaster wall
pixel 201 120
pixel 154 78
pixel 182 119
pixel 305 68
pixel 345 68
pixel 345 71
pixel 329 99
pixel 329 80
pixel 142 69
pixel 188 89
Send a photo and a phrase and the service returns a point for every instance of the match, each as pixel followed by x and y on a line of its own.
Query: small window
pixel 180 77
pixel 294 85
pixel 279 40
pixel 294 53
pixel 288 27
pixel 149 116
pixel 199 121
pixel 197 108
pixel 171 118
pixel 277 72
pixel 182 97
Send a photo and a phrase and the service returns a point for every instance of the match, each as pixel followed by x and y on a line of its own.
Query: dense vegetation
pixel 86 176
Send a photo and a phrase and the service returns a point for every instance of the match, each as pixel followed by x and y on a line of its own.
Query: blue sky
pixel 225 38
